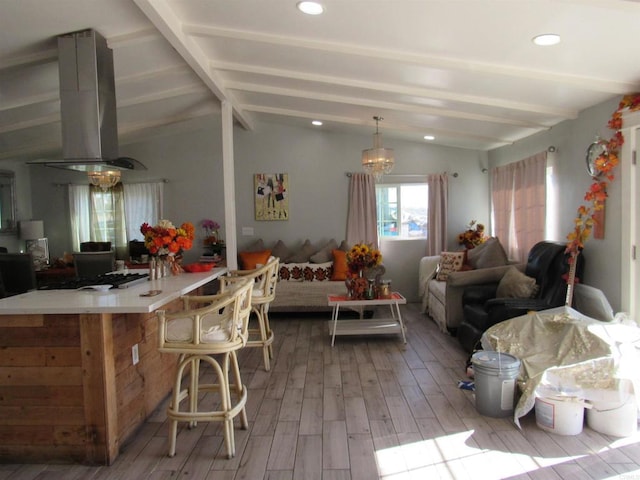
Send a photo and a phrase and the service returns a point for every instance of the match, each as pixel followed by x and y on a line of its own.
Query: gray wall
pixel 571 138
pixel 188 156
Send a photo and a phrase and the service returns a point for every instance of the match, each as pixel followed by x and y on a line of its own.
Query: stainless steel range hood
pixel 88 106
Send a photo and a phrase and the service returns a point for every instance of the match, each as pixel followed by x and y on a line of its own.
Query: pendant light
pixel 104 179
pixel 378 160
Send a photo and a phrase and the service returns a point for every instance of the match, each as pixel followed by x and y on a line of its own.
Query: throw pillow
pixel 251 260
pixel 488 254
pixel 344 246
pixel 340 267
pixel 256 246
pixel 281 251
pixel 449 262
pixel 515 284
pixel 324 254
pixel 303 254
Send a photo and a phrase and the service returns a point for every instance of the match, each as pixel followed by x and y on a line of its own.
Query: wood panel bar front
pixel 69 391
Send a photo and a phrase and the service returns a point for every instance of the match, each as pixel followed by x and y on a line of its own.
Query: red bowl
pixel 198 267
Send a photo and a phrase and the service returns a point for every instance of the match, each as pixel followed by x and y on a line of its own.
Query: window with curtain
pixel 402 210
pixel 518 193
pixel 114 215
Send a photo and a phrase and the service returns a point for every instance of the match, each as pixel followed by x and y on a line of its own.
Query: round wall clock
pixel 595 150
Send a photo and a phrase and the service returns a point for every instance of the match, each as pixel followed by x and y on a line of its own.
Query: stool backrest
pixel 221 325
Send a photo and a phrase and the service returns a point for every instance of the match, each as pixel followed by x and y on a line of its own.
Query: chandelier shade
pixel 377 161
pixel 104 179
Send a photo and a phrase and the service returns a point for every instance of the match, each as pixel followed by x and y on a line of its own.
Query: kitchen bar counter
pixel 72 388
pixel 116 300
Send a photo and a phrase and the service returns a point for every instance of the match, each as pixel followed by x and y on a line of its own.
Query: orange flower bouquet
pixel 165 239
pixel 473 235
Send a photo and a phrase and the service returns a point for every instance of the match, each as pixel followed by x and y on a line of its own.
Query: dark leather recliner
pixel 547 263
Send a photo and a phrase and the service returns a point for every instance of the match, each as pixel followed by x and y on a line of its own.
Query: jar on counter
pixel 385 289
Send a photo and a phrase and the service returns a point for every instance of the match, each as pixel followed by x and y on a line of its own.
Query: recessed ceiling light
pixel 310 8
pixel 546 39
pixel 429 137
pixel 317 123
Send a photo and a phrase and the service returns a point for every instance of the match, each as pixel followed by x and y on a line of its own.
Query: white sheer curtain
pixel 519 204
pixel 362 220
pixel 142 203
pixel 80 216
pixel 437 213
pixel 115 216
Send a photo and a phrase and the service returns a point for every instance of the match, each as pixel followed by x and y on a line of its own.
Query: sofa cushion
pixel 340 267
pixel 251 260
pixel 449 262
pixel 256 246
pixel 516 284
pixel 488 254
pixel 344 246
pixel 324 254
pixel 303 254
pixel 281 251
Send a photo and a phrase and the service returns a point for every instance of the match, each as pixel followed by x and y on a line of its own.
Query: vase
pixel 174 265
pixel 358 286
pixel 152 268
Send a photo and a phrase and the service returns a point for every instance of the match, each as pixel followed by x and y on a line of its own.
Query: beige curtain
pixel 519 204
pixel 437 212
pixel 362 221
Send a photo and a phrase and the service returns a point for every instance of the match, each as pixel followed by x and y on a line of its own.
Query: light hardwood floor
pixel 365 409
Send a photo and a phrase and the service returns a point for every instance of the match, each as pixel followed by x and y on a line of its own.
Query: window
pixel 114 215
pixel 402 210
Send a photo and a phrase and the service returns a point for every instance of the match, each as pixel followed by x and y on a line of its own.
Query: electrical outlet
pixel 247 231
pixel 134 354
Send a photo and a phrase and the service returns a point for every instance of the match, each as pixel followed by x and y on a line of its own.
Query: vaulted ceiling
pixel 464 71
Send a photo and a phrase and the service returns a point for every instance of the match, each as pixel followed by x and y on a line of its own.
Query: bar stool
pixel 211 333
pixel 265 279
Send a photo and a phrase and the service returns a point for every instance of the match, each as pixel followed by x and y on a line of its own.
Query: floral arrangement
pixel 473 235
pixel 211 234
pixel 363 256
pixel 165 239
pixel 604 166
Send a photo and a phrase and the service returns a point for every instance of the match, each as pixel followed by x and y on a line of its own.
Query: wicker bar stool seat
pixel 210 329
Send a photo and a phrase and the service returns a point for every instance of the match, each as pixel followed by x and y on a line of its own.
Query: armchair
pixel 547 263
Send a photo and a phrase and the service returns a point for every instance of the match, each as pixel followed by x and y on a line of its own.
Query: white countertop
pixel 116 300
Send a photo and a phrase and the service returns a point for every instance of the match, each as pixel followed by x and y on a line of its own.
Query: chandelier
pixel 104 179
pixel 378 160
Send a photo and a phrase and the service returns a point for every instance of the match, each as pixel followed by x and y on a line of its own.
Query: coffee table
pixel 371 326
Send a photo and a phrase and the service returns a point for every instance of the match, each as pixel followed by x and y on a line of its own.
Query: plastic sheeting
pixel 567 353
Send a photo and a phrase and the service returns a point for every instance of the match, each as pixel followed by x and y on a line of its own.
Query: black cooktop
pixel 118 280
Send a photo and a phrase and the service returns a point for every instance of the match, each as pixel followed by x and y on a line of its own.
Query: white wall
pixel 571 138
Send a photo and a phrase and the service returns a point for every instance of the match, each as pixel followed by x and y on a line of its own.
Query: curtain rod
pixel 454 174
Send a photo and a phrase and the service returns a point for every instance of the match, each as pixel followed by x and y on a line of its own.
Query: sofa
pixel 307 273
pixel 443 278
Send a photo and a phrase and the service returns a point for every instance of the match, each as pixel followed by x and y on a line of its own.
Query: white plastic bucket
pixel 618 419
pixel 560 414
pixel 495 377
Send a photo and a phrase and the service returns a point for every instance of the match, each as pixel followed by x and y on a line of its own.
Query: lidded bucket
pixel 495 377
pixel 616 418
pixel 560 414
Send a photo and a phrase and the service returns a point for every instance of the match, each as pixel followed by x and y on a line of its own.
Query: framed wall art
pixel 271 192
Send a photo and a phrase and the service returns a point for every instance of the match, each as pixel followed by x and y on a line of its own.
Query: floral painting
pixel 271 191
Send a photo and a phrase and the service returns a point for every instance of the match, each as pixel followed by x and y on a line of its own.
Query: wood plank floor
pixel 365 409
